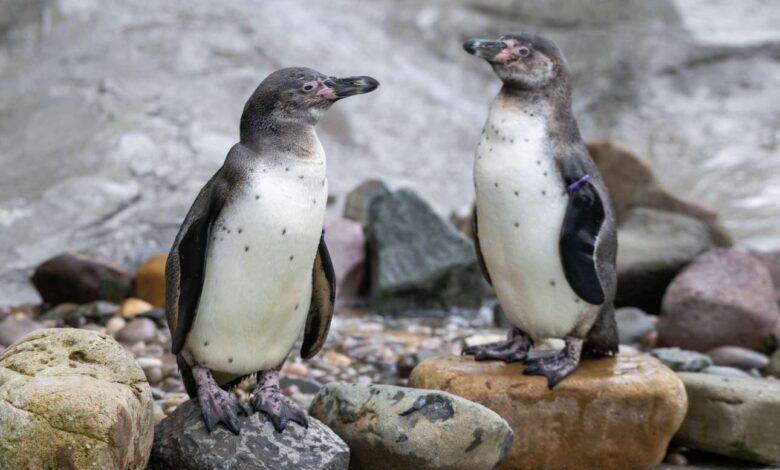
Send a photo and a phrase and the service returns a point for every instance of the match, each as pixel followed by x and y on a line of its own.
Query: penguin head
pixel 525 61
pixel 299 94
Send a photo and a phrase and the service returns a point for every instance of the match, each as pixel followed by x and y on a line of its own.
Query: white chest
pixel 521 201
pixel 257 287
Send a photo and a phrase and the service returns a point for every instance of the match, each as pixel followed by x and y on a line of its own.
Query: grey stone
pixel 653 246
pixel 104 152
pixel 680 360
pixel 359 200
pixel 741 358
pixel 732 416
pixel 15 326
pixel 773 369
pixel 633 324
pixel 724 298
pixel 182 442
pixel 419 261
pixel 725 371
pixel 389 427
pixel 139 329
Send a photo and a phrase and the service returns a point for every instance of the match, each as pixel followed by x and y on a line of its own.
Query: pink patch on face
pixel 325 91
pixel 511 51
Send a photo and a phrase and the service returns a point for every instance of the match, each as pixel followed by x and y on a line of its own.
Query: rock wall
pixel 114 114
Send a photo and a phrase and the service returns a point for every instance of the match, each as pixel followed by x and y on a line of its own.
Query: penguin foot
pixel 268 398
pixel 514 349
pixel 216 404
pixel 556 366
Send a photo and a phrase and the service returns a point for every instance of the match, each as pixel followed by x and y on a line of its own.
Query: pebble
pixel 725 371
pixel 297 368
pixel 336 359
pixel 680 360
pixel 735 356
pixel 139 329
pixel 114 325
pixel 133 307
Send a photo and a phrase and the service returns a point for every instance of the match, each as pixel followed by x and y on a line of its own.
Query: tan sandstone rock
pixel 150 280
pixel 616 413
pixel 74 399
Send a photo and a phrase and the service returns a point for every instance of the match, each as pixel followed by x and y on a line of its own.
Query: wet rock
pixel 741 358
pixel 72 398
pixel 134 307
pixel 680 360
pixel 182 442
pixel 588 431
pixel 139 329
pixel 654 246
pixel 389 427
pixel 419 262
pixel 347 247
pixel 72 277
pixel 731 416
pixel 633 325
pixel 724 298
pixel 15 326
pixel 359 200
pixel 725 371
pixel 150 280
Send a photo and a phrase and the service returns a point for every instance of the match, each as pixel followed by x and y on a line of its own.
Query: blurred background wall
pixel 114 114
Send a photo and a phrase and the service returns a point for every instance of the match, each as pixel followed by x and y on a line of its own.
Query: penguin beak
pixel 336 88
pixel 484 48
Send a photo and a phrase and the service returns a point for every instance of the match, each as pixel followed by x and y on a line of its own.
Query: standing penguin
pixel 543 224
pixel 249 268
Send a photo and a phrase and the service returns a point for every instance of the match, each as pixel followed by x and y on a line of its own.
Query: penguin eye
pixel 523 51
pixel 308 87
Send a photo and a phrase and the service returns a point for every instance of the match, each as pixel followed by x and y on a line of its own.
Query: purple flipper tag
pixel 577 183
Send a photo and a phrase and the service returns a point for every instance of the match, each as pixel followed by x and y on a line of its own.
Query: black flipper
pixel 581 225
pixel 480 259
pixel 186 267
pixel 323 296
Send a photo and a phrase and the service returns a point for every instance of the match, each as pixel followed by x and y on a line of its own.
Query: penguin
pixel 543 224
pixel 249 269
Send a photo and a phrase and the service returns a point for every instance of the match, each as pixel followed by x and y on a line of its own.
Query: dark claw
pixel 555 367
pixel 514 349
pixel 279 409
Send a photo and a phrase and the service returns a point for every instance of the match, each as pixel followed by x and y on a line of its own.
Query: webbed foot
pixel 216 404
pixel 556 366
pixel 268 398
pixel 514 349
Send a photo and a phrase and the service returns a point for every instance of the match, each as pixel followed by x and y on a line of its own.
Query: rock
pixel 359 200
pixel 150 280
pixel 680 360
pixel 139 329
pixel 771 260
pixel 773 369
pixel 654 246
pixel 741 358
pixel 72 277
pixel 419 262
pixel 336 359
pixel 633 325
pixel 388 427
pixel 347 247
pixel 304 385
pixel 724 298
pixel 725 371
pixel 133 307
pixel 614 413
pixel 66 314
pixel 73 398
pixel 731 416
pixel 99 311
pixel 114 325
pixel 15 326
pixel 406 364
pixel 182 442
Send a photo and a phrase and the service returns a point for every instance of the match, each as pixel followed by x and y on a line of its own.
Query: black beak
pixel 349 86
pixel 484 48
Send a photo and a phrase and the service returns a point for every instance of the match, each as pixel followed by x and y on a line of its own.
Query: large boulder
pixel 724 298
pixel 73 398
pixel 419 261
pixel 398 428
pixel 732 416
pixel 616 413
pixel 150 280
pixel 72 277
pixel 181 442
